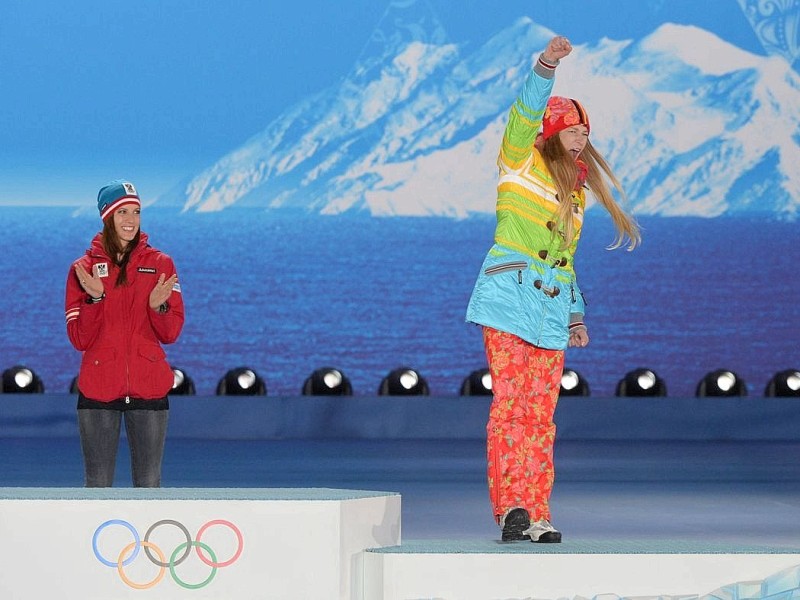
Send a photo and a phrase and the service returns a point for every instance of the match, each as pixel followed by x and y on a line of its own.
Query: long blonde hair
pixel 564 171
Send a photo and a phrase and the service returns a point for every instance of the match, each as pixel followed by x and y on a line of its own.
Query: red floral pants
pixel 526 381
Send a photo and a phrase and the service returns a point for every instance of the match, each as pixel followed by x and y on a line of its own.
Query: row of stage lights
pixel 405 381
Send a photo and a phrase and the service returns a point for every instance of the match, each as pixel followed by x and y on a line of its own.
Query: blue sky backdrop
pixel 154 91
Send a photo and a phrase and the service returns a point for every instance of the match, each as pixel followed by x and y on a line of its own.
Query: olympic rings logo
pixel 129 553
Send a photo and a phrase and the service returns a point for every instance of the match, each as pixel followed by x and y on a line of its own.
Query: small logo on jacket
pixel 146 270
pixel 101 269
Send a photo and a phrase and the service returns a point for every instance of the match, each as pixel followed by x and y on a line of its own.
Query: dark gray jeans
pixel 146 431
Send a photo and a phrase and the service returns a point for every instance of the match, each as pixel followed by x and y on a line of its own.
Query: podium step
pixel 483 570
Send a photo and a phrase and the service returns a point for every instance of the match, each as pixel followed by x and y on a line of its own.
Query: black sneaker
pixel 543 532
pixel 514 524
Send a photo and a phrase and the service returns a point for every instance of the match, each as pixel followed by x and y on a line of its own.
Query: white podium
pixel 581 570
pixel 190 543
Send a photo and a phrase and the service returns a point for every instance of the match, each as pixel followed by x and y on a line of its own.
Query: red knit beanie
pixel 562 113
pixel 113 195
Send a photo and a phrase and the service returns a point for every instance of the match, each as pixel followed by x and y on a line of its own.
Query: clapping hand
pixel 91 285
pixel 162 291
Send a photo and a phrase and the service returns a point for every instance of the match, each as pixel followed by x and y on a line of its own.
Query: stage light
pixel 477 383
pixel 785 384
pixel 403 382
pixel 721 383
pixel 572 384
pixel 641 383
pixel 182 384
pixel 327 381
pixel 21 380
pixel 241 381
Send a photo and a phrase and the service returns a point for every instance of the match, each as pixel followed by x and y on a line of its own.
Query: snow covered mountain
pixel 690 123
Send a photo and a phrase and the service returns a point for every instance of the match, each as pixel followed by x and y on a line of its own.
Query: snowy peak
pixel 697 48
pixel 691 124
pixel 405 22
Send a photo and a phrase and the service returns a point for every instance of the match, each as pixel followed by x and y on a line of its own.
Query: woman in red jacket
pixel 123 301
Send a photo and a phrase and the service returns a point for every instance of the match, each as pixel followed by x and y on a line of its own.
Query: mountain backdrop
pixel 692 125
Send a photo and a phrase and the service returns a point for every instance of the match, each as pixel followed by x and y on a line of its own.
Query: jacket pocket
pixel 152 376
pixel 101 376
pixel 497 299
pixel 518 266
pixel 152 352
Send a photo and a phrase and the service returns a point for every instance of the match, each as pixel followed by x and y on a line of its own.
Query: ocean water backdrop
pixel 287 295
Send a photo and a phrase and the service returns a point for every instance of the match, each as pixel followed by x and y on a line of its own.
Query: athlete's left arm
pixel 167 320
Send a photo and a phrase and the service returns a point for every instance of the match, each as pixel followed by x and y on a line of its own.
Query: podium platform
pixel 190 543
pixel 485 570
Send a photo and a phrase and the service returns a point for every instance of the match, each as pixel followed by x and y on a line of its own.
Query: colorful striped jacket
pixel 527 283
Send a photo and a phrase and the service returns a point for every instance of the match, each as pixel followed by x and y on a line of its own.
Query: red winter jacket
pixel 121 336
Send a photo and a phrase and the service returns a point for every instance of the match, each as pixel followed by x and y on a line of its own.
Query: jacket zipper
pixel 517 265
pixel 127 354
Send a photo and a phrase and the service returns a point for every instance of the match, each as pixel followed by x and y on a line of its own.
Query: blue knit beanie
pixel 115 194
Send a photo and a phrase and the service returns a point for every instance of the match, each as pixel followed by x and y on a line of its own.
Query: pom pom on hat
pixel 562 113
pixel 115 194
